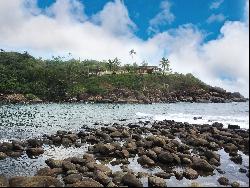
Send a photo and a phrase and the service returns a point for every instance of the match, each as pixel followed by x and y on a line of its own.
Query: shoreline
pixel 165 144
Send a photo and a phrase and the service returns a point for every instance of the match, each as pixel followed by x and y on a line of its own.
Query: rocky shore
pixel 179 150
pixel 212 95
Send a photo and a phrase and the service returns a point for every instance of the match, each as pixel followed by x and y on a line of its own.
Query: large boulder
pixel 190 173
pixel 52 163
pixel 131 181
pixel 202 165
pixel 2 155
pixel 154 181
pixel 49 172
pixel 34 151
pixel 67 165
pixel 36 181
pixel 145 160
pixel 72 178
pixel 4 181
pixel 87 182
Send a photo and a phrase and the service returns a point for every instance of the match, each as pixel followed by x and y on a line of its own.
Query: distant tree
pixel 132 52
pixel 114 64
pixel 144 63
pixel 165 64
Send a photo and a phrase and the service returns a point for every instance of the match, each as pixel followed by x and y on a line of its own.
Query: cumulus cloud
pixel 64 28
pixel 164 17
pixel 216 18
pixel 216 4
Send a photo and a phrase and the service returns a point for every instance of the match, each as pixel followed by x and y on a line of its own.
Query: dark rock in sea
pixel 145 160
pixel 223 181
pixel 35 143
pixel 236 159
pixel 34 151
pixel 3 156
pixel 66 165
pixel 164 175
pixel 202 165
pixel 49 172
pixel 242 170
pixel 235 184
pixel 154 181
pixel 36 181
pixel 87 182
pixel 102 178
pixel 4 182
pixel 52 163
pixel 130 180
pixel 72 178
pixel 233 127
pixel 190 173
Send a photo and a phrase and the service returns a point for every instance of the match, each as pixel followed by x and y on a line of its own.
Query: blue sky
pixel 208 38
pixel 186 11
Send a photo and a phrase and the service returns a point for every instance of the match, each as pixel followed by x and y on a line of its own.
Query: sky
pixel 208 38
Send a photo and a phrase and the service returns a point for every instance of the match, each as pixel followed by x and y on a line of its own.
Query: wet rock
pixel 122 154
pixel 242 170
pixel 164 175
pixel 145 160
pixel 4 181
pixel 6 146
pixel 211 154
pixel 154 181
pixel 56 140
pixel 69 172
pixel 14 154
pixel 186 161
pixel 111 184
pixel 236 159
pixel 72 178
pixel 202 165
pixel 78 160
pixel 104 149
pixel 223 181
pixel 66 142
pixel 49 172
pixel 105 169
pixel 235 184
pixel 34 151
pixel 230 148
pixel 233 127
pixel 52 163
pixel 102 178
pixel 117 177
pixel 167 158
pixel 150 153
pixel 88 157
pixel 35 143
pixel 131 180
pixel 66 165
pixel 220 171
pixel 190 173
pixel 116 134
pixel 213 161
pixel 3 156
pixel 87 182
pixel 178 175
pixel 36 181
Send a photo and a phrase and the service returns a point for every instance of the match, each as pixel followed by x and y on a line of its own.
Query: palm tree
pixel 164 63
pixel 132 52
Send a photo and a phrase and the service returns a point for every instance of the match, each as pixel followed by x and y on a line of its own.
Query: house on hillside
pixel 148 69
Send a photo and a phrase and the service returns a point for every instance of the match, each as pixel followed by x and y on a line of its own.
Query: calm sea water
pixel 25 121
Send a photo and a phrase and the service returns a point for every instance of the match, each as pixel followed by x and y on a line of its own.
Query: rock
pixel 236 159
pixel 34 151
pixel 210 154
pixel 66 142
pixel 190 173
pixel 78 160
pixel 49 172
pixel 34 143
pixel 154 181
pixel 166 158
pixel 3 156
pixel 87 182
pixel 178 175
pixel 116 134
pixel 186 161
pixel 102 168
pixel 151 154
pixel 52 163
pixel 14 154
pixel 220 171
pixel 145 160
pixel 131 181
pixel 223 181
pixel 111 184
pixel 117 177
pixel 233 127
pixel 164 175
pixel 66 165
pixel 104 149
pixel 230 148
pixel 36 181
pixel 4 181
pixel 202 165
pixel 88 157
pixel 235 184
pixel 72 178
pixel 242 170
pixel 213 161
pixel 69 172
pixel 102 178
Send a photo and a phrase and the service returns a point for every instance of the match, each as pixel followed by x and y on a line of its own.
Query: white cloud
pixel 216 4
pixel 216 18
pixel 67 29
pixel 164 17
